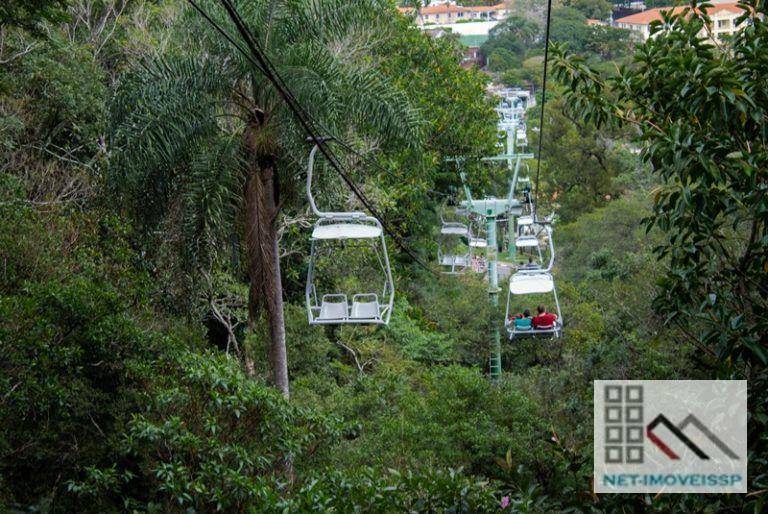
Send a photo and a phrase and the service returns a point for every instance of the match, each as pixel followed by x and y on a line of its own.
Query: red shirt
pixel 544 320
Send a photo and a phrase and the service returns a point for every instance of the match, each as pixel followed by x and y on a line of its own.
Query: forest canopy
pixel 155 233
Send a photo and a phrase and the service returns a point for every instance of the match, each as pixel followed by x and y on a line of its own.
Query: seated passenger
pixel 544 319
pixel 523 321
pixel 531 264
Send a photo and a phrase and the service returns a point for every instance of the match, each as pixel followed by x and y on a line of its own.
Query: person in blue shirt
pixel 523 321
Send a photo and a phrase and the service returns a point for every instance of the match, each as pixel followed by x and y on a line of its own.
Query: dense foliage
pixel 124 281
pixel 704 137
pixel 514 47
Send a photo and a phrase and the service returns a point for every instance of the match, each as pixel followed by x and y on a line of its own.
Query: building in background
pixel 724 20
pixel 448 13
pixel 471 24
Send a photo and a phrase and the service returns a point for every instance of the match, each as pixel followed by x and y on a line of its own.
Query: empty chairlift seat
pixel 477 243
pixel 333 308
pixel 333 231
pixel 365 307
pixel 529 241
pixel 453 262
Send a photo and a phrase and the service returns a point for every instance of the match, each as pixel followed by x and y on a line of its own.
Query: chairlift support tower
pixel 491 208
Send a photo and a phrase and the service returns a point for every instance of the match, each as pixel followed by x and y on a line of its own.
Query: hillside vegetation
pixel 140 324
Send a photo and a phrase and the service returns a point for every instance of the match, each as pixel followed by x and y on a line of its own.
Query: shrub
pixel 73 366
pixel 208 439
pixel 372 491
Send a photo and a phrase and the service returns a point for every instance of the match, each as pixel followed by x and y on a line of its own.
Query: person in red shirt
pixel 544 319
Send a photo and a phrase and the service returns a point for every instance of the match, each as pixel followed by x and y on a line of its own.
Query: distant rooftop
pixel 452 8
pixel 646 17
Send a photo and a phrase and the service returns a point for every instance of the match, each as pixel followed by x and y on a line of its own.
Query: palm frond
pixel 328 60
pixel 163 111
pixel 212 192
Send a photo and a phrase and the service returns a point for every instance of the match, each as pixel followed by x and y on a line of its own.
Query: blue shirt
pixel 523 323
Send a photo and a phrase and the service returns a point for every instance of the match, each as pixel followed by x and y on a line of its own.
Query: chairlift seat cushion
pixel 454 260
pixel 477 242
pixel 365 310
pixel 527 242
pixel 330 309
pixel 454 230
pixel 346 231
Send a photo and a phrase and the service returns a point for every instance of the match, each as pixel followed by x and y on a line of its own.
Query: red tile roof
pixel 446 8
pixel 646 17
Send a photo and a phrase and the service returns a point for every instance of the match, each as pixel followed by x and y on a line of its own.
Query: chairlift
pixel 450 244
pixel 524 221
pixel 528 231
pixel 534 233
pixel 522 137
pixel 477 230
pixel 531 282
pixel 335 229
pixel 460 244
pixel 534 280
pixel 527 240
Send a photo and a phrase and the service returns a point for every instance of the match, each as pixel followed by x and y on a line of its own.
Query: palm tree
pixel 200 127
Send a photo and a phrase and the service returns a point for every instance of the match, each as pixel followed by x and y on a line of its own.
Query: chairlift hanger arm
pixel 310 196
pixel 513 182
pixel 467 191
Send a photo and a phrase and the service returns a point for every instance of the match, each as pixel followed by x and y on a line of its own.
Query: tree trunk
pixel 266 288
